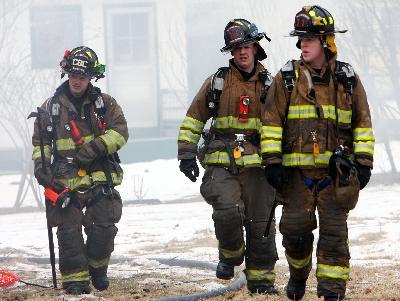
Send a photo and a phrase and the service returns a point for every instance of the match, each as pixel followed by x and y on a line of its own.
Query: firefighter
pixel 318 147
pixel 234 183
pixel 81 130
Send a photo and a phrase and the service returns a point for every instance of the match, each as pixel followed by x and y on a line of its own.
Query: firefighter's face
pixel 78 84
pixel 244 57
pixel 312 51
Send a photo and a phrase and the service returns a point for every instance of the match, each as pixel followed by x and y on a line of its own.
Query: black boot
pixel 99 278
pixel 295 289
pixel 225 271
pixel 261 287
pixel 77 288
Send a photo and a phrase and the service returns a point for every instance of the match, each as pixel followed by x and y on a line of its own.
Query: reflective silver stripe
pixel 271 132
pixel 69 144
pixel 271 146
pixel 100 176
pixel 223 158
pixel 98 263
pixel 36 154
pixel 333 271
pixel 309 111
pixel 74 277
pixel 113 140
pixel 298 263
pixel 364 147
pixel 260 275
pixel 193 124
pixel 232 122
pixel 188 135
pixel 364 134
pixel 299 159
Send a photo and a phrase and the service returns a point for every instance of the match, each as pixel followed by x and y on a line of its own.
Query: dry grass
pixel 379 283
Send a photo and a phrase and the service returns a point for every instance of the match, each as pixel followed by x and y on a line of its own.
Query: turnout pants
pixel 103 211
pixel 242 201
pixel 297 223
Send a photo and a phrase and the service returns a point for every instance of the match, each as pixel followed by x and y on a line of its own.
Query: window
pixel 130 38
pixel 53 30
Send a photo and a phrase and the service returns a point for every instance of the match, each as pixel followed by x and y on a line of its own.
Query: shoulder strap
pixel 266 77
pixel 346 76
pixel 289 76
pixel 97 98
pixel 217 84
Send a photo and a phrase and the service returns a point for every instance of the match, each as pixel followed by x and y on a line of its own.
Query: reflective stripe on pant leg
pixel 72 254
pixel 75 277
pixel 299 254
pixel 332 252
pixel 259 197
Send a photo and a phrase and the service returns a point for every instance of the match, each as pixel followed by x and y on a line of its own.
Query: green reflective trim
pixel 309 111
pixel 232 253
pixel 100 176
pixel 36 154
pixel 299 159
pixel 298 263
pixel 333 271
pixel 232 122
pixel 364 134
pixel 113 140
pixel 271 146
pixel 98 263
pixel 260 275
pixel 74 277
pixel 364 147
pixel 223 158
pixel 69 143
pixel 78 182
pixel 188 135
pixel 193 124
pixel 271 132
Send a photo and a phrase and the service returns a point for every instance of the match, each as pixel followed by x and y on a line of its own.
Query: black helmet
pixel 82 60
pixel 314 21
pixel 240 32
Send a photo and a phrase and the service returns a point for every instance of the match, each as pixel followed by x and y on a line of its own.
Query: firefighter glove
pixel 89 152
pixel 43 175
pixel 276 176
pixel 189 168
pixel 364 174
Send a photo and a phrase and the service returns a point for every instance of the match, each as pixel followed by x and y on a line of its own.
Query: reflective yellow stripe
pixel 188 135
pixel 113 140
pixel 232 254
pixel 74 277
pixel 98 263
pixel 271 146
pixel 260 275
pixel 193 124
pixel 298 263
pixel 69 144
pixel 223 158
pixel 36 154
pixel 364 134
pixel 309 111
pixel 88 180
pixel 232 122
pixel 333 271
pixel 100 176
pixel 271 132
pixel 364 147
pixel 299 159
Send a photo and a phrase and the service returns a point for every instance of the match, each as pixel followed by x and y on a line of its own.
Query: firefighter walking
pixel 75 159
pixel 234 183
pixel 318 146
